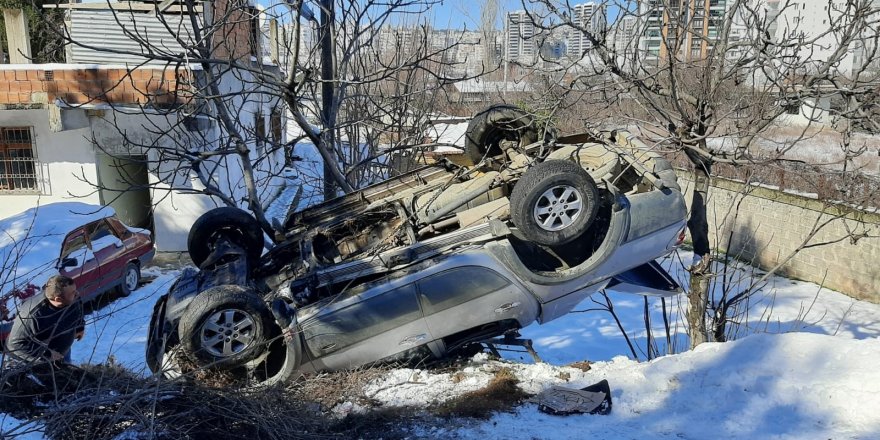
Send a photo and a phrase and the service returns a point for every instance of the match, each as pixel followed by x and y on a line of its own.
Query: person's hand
pixel 80 334
pixel 56 356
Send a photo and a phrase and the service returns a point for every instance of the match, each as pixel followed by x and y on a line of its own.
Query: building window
pixel 254 28
pixel 260 131
pixel 18 169
pixel 275 126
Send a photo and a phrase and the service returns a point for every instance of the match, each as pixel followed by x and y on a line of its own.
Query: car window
pixel 119 227
pixel 99 232
pixel 75 247
pixel 357 322
pixel 456 286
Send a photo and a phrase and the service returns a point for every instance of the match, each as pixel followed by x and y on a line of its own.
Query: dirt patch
pixel 329 389
pixel 501 394
pixel 170 260
pixel 581 365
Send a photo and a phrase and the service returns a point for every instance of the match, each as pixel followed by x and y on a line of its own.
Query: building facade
pixel 109 126
pixel 812 23
pixel 520 38
pixel 588 16
pixel 686 28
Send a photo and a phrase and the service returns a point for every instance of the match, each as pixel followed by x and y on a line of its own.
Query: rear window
pixel 99 230
pixel 456 286
pixel 357 322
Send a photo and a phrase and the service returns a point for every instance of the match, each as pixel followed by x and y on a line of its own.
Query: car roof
pixel 30 241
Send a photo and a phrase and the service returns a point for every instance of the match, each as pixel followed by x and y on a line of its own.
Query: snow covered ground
pixel 809 370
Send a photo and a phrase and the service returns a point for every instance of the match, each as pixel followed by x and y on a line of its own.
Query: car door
pixel 78 262
pixel 467 297
pixel 366 328
pixel 109 252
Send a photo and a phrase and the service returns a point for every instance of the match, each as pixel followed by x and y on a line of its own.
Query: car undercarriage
pixel 553 218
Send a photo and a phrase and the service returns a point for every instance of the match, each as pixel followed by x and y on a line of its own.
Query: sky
pixel 452 14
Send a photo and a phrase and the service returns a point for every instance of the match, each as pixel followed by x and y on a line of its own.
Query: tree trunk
pixel 698 295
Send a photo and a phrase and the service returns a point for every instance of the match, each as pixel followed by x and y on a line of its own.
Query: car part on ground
pixel 426 263
pixel 563 401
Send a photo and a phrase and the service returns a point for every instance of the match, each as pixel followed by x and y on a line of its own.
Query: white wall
pixel 812 18
pixel 69 165
pixel 65 160
pixel 176 211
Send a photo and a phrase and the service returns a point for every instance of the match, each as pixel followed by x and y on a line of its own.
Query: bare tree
pixel 712 80
pixel 488 15
pixel 353 84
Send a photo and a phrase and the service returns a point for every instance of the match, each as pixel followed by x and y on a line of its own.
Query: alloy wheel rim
pixel 227 332
pixel 558 208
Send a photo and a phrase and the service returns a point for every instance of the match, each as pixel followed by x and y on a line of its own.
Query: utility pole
pixel 328 84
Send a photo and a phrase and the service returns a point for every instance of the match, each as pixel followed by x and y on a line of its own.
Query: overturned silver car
pixel 428 263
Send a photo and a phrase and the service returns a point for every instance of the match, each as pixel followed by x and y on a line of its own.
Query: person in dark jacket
pixel 46 326
pixel 39 342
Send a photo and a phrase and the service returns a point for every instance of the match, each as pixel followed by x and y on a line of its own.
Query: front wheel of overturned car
pixel 495 124
pixel 228 223
pixel 554 202
pixel 225 327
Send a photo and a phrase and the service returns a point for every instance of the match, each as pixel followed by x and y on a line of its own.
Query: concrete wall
pixel 765 226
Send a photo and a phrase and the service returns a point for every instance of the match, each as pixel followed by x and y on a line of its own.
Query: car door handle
pixel 505 307
pixel 410 340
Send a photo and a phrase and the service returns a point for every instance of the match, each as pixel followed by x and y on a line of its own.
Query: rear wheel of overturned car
pixel 495 124
pixel 228 223
pixel 225 327
pixel 554 202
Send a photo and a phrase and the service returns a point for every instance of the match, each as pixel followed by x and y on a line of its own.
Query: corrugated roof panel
pixel 102 32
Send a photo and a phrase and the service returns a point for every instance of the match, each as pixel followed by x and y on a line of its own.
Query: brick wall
pixel 159 87
pixel 233 38
pixel 765 226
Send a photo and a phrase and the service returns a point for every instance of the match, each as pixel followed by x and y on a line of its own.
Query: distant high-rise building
pixel 585 16
pixel 686 27
pixel 520 44
pixel 812 22
pixel 625 35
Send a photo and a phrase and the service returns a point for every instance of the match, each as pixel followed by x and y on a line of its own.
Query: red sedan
pixel 85 242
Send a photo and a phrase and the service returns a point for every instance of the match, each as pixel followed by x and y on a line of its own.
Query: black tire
pixel 494 124
pixel 231 223
pixel 131 276
pixel 280 366
pixel 156 337
pixel 211 339
pixel 536 191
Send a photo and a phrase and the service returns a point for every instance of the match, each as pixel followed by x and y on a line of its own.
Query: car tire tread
pixel 537 180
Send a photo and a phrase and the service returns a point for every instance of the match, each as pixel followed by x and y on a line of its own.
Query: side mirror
pixel 69 262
